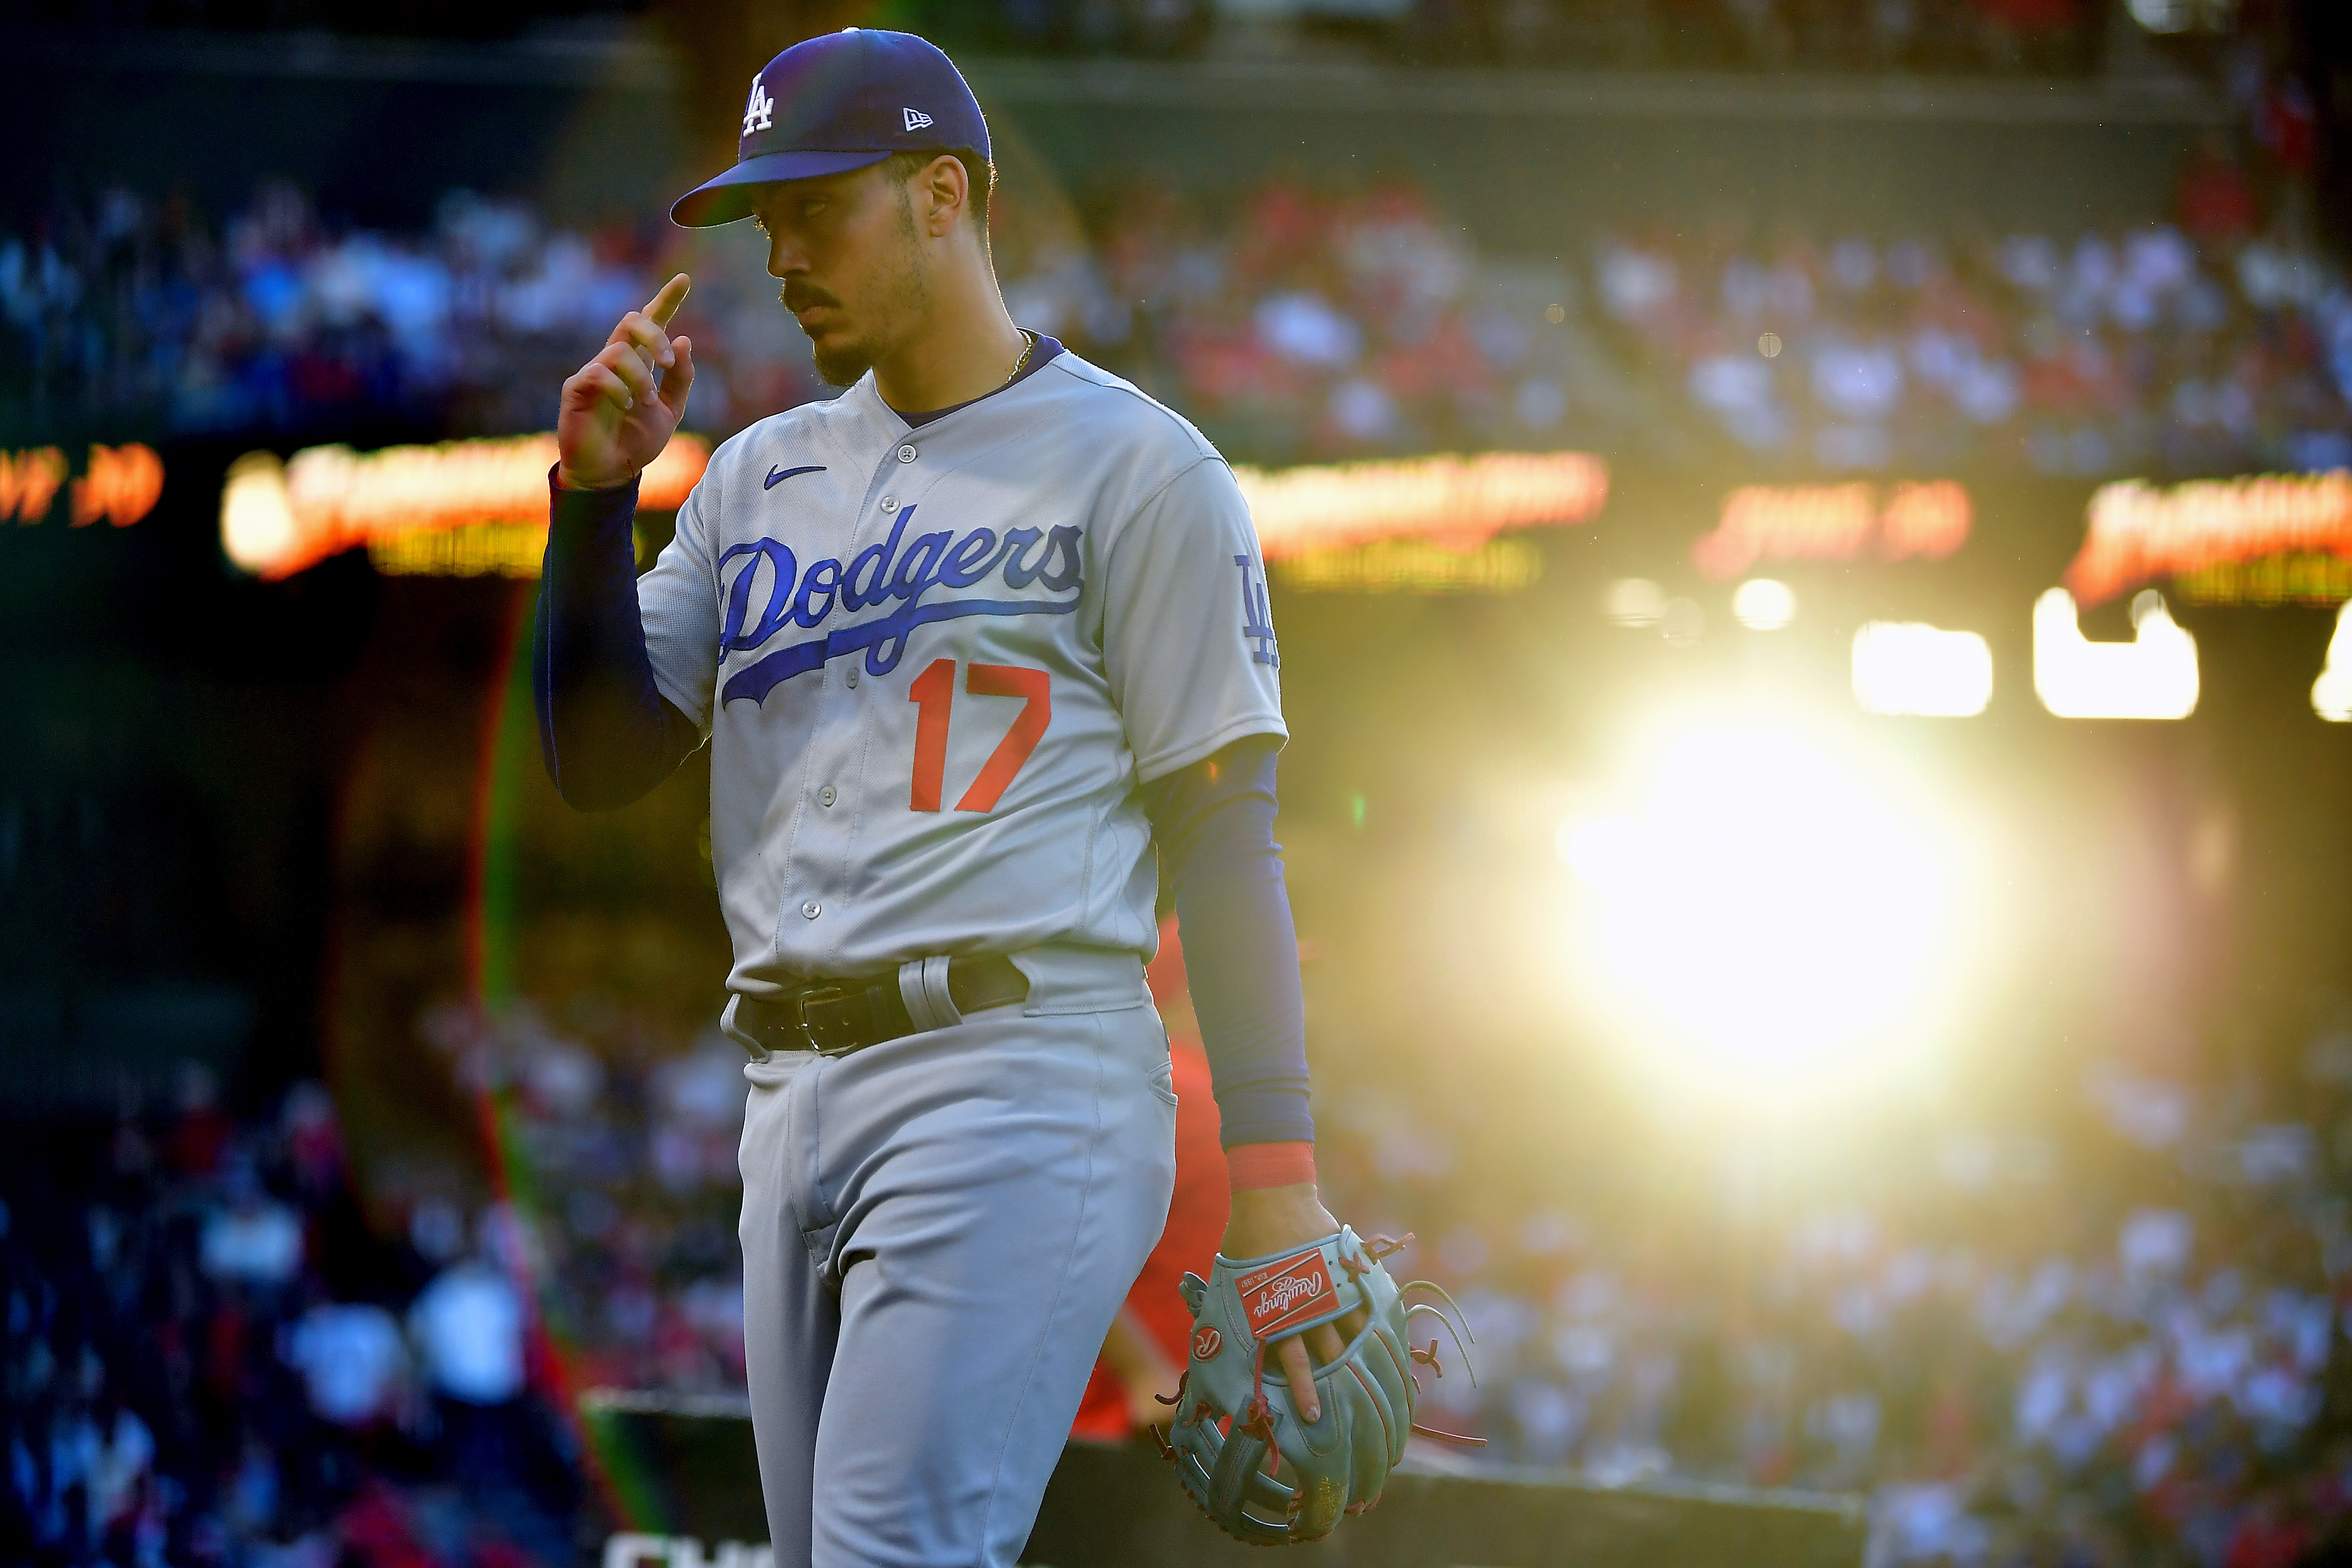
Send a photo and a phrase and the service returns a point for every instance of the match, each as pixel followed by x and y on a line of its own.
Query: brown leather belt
pixel 842 1016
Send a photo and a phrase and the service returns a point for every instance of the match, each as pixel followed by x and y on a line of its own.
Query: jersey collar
pixel 866 399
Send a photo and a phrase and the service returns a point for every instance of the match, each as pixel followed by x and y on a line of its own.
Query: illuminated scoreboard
pixel 1441 525
pixel 412 506
pixel 2261 540
pixel 467 507
pixel 2264 539
pixel 118 485
pixel 1834 522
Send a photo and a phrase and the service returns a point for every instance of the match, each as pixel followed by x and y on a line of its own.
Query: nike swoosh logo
pixel 778 475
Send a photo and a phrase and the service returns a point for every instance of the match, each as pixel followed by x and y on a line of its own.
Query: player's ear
pixel 946 191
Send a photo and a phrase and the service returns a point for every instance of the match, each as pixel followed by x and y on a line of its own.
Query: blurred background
pixel 1837 1015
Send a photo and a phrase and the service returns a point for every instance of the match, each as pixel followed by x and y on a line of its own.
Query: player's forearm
pixel 1214 824
pixel 605 732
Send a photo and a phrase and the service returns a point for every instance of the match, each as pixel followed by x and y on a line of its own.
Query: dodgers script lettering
pixel 880 578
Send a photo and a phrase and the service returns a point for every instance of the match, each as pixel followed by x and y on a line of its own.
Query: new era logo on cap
pixel 916 119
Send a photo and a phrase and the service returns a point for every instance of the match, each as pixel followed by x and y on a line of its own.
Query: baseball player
pixel 967 644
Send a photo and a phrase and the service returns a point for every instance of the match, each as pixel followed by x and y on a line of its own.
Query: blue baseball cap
pixel 831 104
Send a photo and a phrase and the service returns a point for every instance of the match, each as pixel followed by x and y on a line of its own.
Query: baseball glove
pixel 1260 1473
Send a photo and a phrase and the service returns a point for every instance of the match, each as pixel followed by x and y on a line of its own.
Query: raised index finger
pixel 663 306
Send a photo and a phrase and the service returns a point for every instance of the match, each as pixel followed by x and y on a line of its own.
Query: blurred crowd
pixel 213 1356
pixel 136 315
pixel 2151 351
pixel 1300 325
pixel 617 1144
pixel 2041 37
pixel 215 1353
pixel 2116 1340
pixel 1293 324
pixel 2120 1340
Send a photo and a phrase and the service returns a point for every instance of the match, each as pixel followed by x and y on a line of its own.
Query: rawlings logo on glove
pixel 1238 1445
pixel 1284 1294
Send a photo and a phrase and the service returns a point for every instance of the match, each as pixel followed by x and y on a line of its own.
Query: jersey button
pixel 825 795
pixel 889 503
pixel 853 680
pixel 907 452
pixel 812 909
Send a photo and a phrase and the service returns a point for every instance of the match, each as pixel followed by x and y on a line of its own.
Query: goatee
pixel 842 367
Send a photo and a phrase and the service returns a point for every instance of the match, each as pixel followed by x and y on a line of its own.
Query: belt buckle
pixel 808 1030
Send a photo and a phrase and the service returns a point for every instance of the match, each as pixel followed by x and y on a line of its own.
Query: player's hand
pixel 620 408
pixel 1279 1219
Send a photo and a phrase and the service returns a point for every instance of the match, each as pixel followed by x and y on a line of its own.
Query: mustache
pixel 798 295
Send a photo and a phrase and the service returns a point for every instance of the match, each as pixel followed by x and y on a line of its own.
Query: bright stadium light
pixel 1908 667
pixel 2185 15
pixel 258 526
pixel 2164 15
pixel 2152 677
pixel 1605 853
pixel 2331 695
pixel 1771 925
pixel 1761 604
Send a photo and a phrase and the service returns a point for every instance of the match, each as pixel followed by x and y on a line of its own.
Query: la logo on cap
pixel 760 111
pixel 916 119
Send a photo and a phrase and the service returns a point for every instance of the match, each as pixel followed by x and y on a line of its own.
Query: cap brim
pixel 728 199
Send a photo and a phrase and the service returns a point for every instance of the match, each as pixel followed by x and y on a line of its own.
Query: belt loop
pixel 935 987
pixel 912 991
pixel 726 1026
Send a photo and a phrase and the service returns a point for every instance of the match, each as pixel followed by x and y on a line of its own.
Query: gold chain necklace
pixel 1028 347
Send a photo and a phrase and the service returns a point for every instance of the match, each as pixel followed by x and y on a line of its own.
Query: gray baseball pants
pixel 938 1231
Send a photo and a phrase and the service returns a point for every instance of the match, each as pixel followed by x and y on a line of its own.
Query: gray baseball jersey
pixel 935 664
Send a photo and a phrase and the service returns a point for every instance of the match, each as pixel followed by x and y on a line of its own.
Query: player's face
pixel 846 247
